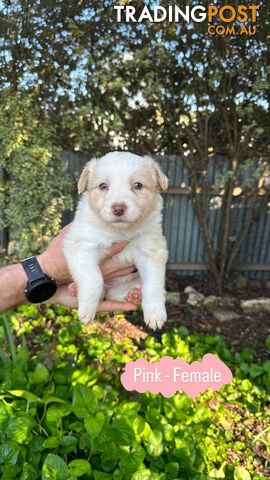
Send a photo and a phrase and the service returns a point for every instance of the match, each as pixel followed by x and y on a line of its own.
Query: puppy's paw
pixel 85 316
pixel 134 296
pixel 155 318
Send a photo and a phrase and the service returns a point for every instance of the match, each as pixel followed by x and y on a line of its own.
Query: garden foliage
pixel 65 415
pixel 33 190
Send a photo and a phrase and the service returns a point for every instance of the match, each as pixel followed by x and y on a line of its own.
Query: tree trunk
pixel 6 236
pixel 253 216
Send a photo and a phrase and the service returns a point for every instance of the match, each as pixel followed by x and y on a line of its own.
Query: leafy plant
pixel 65 415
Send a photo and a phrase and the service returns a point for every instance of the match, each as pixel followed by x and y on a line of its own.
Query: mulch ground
pixel 249 331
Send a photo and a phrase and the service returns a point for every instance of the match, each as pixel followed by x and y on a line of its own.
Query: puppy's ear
pixel 162 179
pixel 82 183
pixel 85 175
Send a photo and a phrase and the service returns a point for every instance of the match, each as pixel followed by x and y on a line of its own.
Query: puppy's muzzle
pixel 119 209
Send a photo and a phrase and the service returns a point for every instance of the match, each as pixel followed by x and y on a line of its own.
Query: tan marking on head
pixel 85 176
pixel 162 179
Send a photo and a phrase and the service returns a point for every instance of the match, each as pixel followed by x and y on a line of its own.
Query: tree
pixel 158 88
pixel 205 97
pixel 33 189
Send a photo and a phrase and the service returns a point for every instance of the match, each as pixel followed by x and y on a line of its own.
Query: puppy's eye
pixel 137 186
pixel 103 186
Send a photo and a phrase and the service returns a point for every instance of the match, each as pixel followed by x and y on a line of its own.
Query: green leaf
pixel 47 398
pixel 10 472
pixel 9 452
pixel 79 467
pixel 154 443
pixel 29 472
pixel 94 424
pixel 172 468
pixel 30 397
pixel 266 366
pixel 101 475
pixel 183 331
pixel 19 428
pixel 36 444
pixel 218 473
pixel 255 370
pixel 241 474
pixel 84 442
pixel 143 475
pixel 131 461
pixel 56 412
pixel 51 442
pixel 84 400
pixel 118 475
pixel 54 468
pixel 4 413
pixel 23 354
pixel 109 457
pixel 122 433
pixel 40 374
pixel 68 443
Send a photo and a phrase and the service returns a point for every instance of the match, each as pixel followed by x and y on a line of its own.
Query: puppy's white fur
pixel 96 227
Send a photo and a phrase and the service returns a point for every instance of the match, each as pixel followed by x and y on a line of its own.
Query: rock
pixel 256 305
pixel 190 290
pixel 210 300
pixel 226 315
pixel 194 297
pixel 173 298
pixel 220 301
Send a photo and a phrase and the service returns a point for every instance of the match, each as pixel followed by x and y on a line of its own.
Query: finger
pixel 113 306
pixel 116 248
pixel 119 273
pixel 62 297
pixel 73 289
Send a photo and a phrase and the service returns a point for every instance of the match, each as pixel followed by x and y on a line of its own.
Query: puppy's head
pixel 122 187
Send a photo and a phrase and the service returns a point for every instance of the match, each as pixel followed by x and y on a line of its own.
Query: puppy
pixel 120 202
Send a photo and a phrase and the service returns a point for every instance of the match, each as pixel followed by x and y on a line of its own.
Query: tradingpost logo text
pixel 225 20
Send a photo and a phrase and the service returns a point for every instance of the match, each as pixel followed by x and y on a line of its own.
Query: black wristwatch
pixel 39 287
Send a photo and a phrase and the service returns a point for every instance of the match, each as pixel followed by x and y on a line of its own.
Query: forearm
pixel 13 282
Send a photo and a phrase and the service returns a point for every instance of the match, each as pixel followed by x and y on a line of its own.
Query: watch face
pixel 42 292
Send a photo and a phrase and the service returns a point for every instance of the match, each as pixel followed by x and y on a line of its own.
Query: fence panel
pixel 187 254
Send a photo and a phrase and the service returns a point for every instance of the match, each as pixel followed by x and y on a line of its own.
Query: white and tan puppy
pixel 120 202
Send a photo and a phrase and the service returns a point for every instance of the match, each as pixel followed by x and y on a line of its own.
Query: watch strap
pixel 32 269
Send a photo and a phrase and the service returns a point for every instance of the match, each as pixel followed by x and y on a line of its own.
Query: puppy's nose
pixel 119 209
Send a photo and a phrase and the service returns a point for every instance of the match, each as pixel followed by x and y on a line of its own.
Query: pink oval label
pixel 168 375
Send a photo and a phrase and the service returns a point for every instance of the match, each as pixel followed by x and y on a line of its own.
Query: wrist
pixel 42 263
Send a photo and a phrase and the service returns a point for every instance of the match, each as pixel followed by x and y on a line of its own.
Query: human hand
pixel 53 263
pixel 68 296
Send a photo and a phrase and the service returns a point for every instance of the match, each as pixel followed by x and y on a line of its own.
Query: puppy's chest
pixel 136 248
pixel 130 252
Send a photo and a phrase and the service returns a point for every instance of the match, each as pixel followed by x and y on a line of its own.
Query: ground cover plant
pixel 65 415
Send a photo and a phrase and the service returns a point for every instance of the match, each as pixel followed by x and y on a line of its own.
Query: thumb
pixel 116 248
